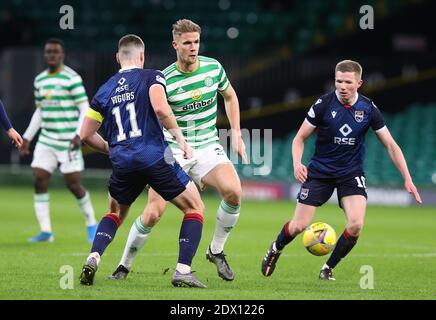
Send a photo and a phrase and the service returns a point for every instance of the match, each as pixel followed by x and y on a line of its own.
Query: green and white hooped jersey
pixel 61 97
pixel 193 99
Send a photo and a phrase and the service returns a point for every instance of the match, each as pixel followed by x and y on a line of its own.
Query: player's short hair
pixel 184 26
pixel 349 66
pixel 56 41
pixel 130 43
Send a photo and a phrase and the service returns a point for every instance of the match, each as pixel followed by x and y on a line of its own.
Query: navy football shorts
pixel 317 191
pixel 169 180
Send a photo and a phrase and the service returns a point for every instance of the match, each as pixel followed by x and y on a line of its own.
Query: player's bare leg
pixel 41 179
pixel 354 207
pixel 302 218
pixel 139 233
pixel 106 231
pixel 226 181
pixel 72 181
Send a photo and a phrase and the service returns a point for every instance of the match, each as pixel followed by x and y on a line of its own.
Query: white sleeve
pixel 34 125
pixel 83 107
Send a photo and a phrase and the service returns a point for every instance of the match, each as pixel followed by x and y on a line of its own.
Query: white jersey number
pixel 135 132
pixel 360 182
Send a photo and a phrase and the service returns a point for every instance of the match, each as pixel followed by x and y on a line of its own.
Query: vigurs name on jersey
pixel 127 96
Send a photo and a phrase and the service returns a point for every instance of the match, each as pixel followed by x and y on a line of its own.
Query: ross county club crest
pixel 304 193
pixel 358 115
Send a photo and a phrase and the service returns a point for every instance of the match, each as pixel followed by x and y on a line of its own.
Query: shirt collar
pixel 128 68
pixel 351 104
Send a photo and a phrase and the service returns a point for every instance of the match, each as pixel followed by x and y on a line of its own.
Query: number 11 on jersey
pixel 135 132
pixel 360 182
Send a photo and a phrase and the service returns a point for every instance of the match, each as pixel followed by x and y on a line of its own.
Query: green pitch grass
pixel 399 244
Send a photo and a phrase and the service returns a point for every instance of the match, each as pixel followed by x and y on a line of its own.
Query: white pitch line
pixel 400 246
pixel 357 255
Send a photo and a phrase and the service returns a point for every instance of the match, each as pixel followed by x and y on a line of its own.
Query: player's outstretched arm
pixel 398 159
pixel 89 135
pixel 300 170
pixel 231 104
pixel 166 116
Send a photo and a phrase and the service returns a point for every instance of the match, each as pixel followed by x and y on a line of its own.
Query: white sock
pixel 183 268
pixel 227 216
pixel 137 236
pixel 325 266
pixel 86 208
pixel 93 258
pixel 42 210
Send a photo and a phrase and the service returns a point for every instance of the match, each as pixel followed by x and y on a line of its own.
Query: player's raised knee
pixel 151 217
pixel 232 195
pixel 354 228
pixel 296 228
pixel 199 205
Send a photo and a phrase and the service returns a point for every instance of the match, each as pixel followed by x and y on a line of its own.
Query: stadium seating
pixel 303 24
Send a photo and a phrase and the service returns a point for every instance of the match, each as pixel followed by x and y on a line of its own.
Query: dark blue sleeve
pixel 96 103
pixel 4 117
pixel 157 77
pixel 377 121
pixel 316 112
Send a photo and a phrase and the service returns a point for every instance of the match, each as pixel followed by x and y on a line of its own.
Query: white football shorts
pixel 48 158
pixel 203 161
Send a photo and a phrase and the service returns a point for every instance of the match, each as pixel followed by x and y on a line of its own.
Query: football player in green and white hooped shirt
pixel 192 85
pixel 61 104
